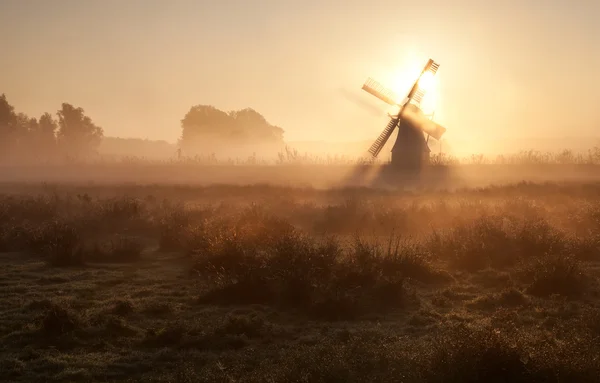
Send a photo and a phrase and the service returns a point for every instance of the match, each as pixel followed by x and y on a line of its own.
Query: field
pixel 264 283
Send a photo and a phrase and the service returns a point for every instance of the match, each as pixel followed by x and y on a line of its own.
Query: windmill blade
pixel 419 89
pixel 434 129
pixel 383 137
pixel 415 116
pixel 384 94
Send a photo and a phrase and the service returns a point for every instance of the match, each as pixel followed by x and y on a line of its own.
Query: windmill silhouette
pixel 410 152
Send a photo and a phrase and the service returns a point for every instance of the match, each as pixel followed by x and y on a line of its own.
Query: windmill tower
pixel 410 151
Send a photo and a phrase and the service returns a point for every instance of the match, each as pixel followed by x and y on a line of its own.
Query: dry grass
pixel 263 283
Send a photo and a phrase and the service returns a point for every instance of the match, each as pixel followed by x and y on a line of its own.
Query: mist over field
pixel 189 191
pixel 235 255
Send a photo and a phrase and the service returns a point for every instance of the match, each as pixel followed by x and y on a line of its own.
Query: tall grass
pixel 297 284
pixel 291 156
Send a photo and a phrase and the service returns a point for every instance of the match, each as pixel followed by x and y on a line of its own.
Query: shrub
pixel 61 244
pixel 462 354
pixel 14 237
pixel 291 269
pixel 172 229
pixel 400 257
pixel 556 274
pixel 495 241
pixel 58 320
pixel 124 249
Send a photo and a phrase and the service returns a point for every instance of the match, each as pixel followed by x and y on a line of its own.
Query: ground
pixel 288 284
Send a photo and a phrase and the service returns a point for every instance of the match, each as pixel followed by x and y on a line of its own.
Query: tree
pixel 42 136
pixel 203 123
pixel 207 128
pixel 8 127
pixel 26 132
pixel 47 128
pixel 7 113
pixel 77 135
pixel 251 125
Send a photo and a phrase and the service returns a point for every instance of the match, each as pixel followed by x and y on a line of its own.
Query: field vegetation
pixel 266 283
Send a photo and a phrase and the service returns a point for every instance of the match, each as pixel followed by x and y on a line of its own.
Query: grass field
pixel 162 283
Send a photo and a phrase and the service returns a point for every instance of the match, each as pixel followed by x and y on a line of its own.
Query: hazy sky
pixel 508 68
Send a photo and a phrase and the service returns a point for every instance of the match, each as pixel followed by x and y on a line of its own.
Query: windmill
pixel 410 151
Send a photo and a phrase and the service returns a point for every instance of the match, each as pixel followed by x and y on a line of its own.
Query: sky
pixel 507 68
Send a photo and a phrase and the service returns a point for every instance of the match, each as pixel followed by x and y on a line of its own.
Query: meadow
pixel 259 283
pixel 294 169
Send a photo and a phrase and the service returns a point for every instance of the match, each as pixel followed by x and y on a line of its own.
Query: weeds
pixel 491 284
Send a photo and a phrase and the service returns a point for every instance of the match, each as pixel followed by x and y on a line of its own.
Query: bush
pixel 462 354
pixel 58 320
pixel 291 269
pixel 495 241
pixel 61 244
pixel 556 274
pixel 119 249
pixel 14 237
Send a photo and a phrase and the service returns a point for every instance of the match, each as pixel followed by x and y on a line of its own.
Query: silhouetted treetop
pixel 8 128
pixel 77 134
pixel 47 125
pixel 250 121
pixel 207 125
pixel 7 115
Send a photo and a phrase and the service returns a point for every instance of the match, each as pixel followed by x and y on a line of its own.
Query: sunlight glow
pixel 431 100
pixel 426 81
pixel 404 76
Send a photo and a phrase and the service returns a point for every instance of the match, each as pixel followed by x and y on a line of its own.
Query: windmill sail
pixel 383 137
pixel 376 89
pixel 418 91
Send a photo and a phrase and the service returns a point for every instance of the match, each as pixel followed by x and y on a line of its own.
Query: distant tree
pixel 250 124
pixel 7 113
pixel 42 136
pixel 77 135
pixel 8 127
pixel 21 139
pixel 204 123
pixel 47 128
pixel 206 127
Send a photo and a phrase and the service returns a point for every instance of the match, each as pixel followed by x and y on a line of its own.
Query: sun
pixel 427 81
pixel 402 81
pixel 431 100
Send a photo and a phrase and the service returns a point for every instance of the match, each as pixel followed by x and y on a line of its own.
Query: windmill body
pixel 410 152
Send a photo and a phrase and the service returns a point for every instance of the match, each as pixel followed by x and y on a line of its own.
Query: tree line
pixel 70 133
pixel 67 133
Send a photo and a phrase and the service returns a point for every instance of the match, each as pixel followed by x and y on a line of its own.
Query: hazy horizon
pixel 508 69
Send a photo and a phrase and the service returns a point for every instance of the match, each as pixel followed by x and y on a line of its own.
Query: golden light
pixel 426 81
pixel 404 76
pixel 431 100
